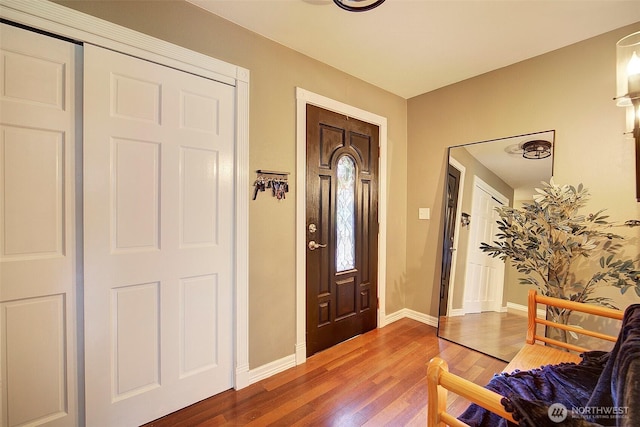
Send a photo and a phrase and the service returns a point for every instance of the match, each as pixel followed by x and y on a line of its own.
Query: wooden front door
pixel 342 228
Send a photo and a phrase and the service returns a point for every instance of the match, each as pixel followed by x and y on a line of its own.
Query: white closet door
pixel 37 230
pixel 158 209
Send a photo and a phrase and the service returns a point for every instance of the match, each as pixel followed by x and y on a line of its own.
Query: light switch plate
pixel 424 213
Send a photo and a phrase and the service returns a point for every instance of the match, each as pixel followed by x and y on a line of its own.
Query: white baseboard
pixel 519 307
pixel 456 312
pixel 516 307
pixel 242 377
pixel 414 315
pixel 272 368
pixel 393 317
pixel 301 353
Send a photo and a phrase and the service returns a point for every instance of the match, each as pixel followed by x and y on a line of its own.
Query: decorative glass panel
pixel 345 215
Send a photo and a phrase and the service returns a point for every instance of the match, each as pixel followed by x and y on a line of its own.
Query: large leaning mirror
pixel 482 304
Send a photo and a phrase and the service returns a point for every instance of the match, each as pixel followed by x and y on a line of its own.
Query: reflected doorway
pixel 475 294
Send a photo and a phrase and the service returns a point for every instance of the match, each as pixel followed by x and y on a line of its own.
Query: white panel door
pixel 37 229
pixel 158 209
pixel 485 275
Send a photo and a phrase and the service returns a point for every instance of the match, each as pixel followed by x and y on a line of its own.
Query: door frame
pixel 304 97
pixel 456 237
pixel 65 22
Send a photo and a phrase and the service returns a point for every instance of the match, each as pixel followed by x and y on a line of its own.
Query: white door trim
pixel 478 182
pixel 304 97
pixel 65 22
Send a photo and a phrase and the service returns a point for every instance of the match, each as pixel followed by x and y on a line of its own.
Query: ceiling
pixel 409 47
pixel 504 158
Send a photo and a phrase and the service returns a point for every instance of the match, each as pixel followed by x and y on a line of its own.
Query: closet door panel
pixel 37 229
pixel 158 206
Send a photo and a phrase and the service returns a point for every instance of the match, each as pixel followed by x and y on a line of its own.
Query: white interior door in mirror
pixel 485 274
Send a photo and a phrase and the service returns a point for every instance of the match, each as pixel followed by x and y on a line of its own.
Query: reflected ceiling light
pixel 628 88
pixel 358 5
pixel 536 149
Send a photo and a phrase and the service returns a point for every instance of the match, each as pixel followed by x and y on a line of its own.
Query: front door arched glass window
pixel 345 214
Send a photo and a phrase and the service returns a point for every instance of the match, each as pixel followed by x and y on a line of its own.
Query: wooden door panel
pixel 345 298
pixel 362 146
pixel 341 299
pixel 330 139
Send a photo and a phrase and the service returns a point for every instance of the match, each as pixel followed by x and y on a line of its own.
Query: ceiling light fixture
pixel 628 88
pixel 536 149
pixel 358 5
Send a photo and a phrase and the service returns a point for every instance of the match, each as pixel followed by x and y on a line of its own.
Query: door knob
pixel 313 245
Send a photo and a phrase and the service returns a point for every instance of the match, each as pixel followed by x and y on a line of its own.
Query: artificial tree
pixel 563 253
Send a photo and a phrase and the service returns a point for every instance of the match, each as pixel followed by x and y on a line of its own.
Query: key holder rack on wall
pixel 276 181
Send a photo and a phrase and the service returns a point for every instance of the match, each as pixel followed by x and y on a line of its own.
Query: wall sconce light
pixel 628 88
pixel 465 219
pixel 358 5
pixel 536 149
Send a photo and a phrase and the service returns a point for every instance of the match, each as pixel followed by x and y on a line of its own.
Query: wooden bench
pixel 536 352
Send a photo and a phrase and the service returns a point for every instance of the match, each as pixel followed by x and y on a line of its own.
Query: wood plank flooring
pixel 500 335
pixel 376 379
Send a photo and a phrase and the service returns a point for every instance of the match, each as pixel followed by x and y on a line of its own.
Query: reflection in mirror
pixel 482 304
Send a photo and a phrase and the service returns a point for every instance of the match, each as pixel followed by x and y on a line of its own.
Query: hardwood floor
pixel 376 379
pixel 497 334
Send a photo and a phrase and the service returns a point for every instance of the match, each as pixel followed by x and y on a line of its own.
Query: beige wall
pixel 275 72
pixel 569 90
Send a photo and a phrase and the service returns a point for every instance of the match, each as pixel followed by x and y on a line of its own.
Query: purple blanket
pixel 603 389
